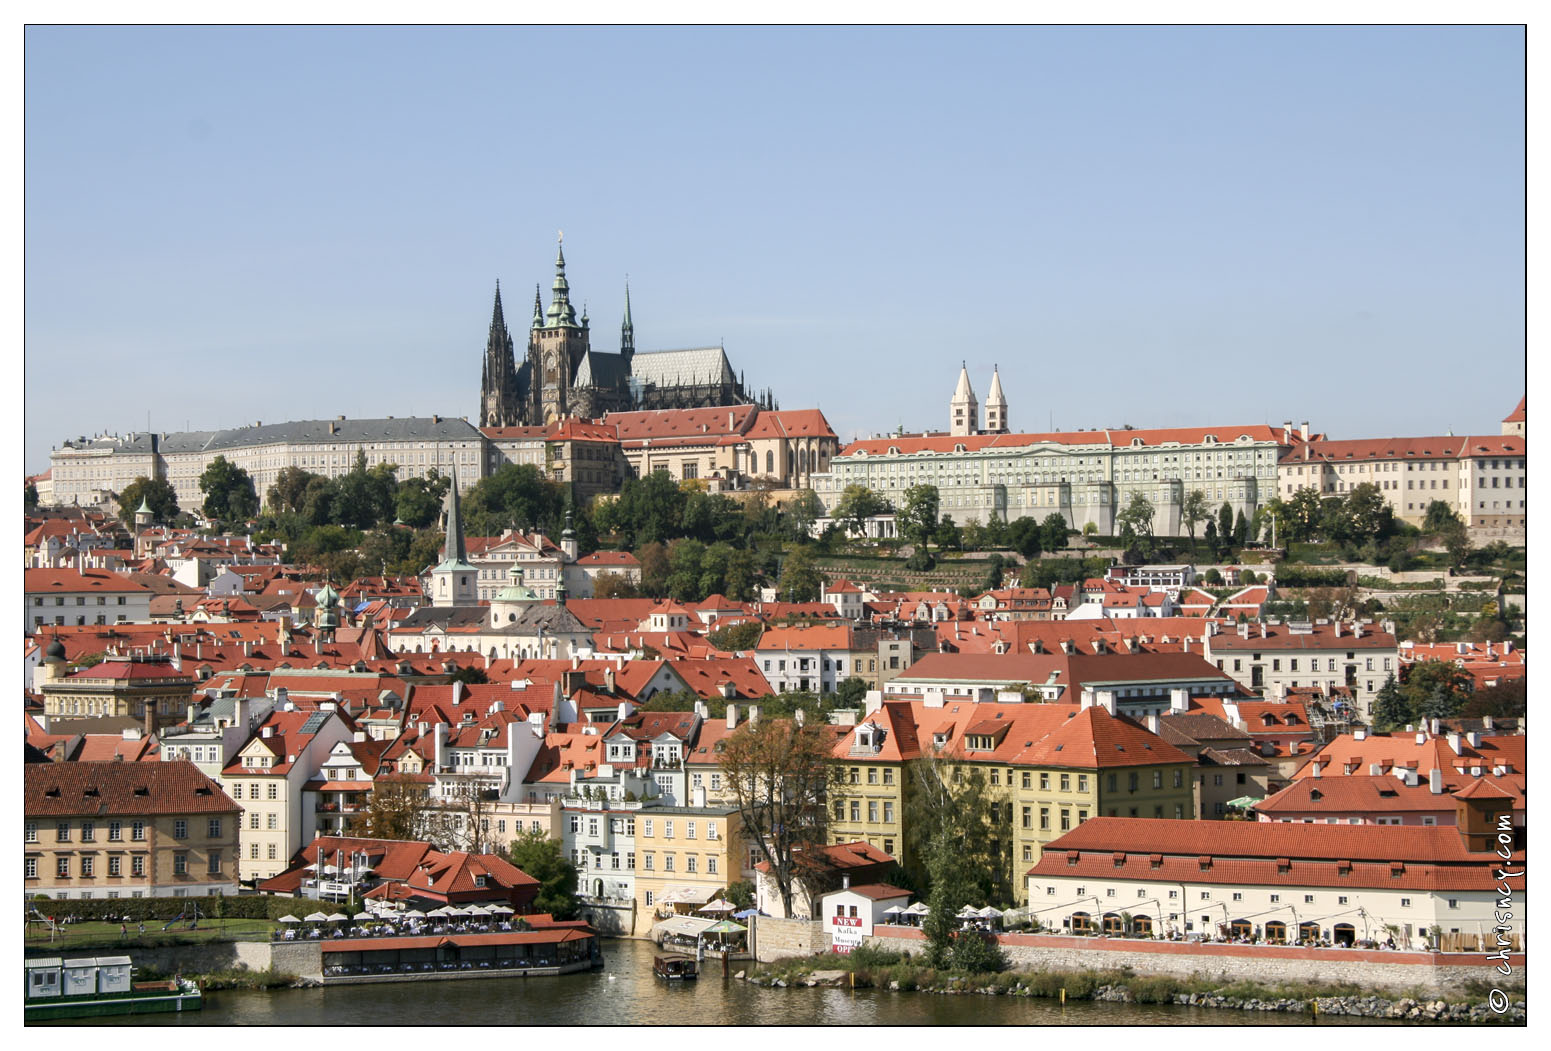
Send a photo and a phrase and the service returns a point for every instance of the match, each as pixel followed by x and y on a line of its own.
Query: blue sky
pixel 1157 227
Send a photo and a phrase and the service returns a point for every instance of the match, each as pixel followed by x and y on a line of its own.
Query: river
pixel 624 992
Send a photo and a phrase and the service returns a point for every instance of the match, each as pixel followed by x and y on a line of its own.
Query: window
pixel 31 828
pixel 667 829
pixel 1157 778
pixel 710 832
pixel 651 862
pixel 89 868
pixel 630 860
pixel 214 867
pixel 872 811
pixel 1044 782
pixel 690 863
pixel 667 863
pixel 272 853
pixel 180 829
pixel 646 831
pixel 856 810
pixel 888 776
pixel 648 893
pixel 1066 782
pixel 62 832
pixel 272 792
pixel 115 865
pixel 253 820
pixel 88 832
pixel 1066 820
pixel 1405 903
pixel 1179 779
pixel 272 821
pixel 1308 899
pixel 1237 896
pixel 872 775
pixel 1044 817
pixel 62 868
pixel 1028 780
pixel 690 832
pixel 1131 782
pixel 253 851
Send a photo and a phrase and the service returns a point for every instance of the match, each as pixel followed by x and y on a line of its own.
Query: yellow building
pixel 685 855
pixel 1052 767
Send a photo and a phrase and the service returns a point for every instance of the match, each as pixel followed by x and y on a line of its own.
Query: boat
pixel 675 967
pixel 89 987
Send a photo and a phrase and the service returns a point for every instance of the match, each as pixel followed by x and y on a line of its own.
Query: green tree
pixel 1456 540
pixel 684 557
pixel 1053 532
pixel 851 693
pixel 289 489
pixel 1192 511
pixel 741 893
pixel 778 773
pixel 1137 516
pixel 1240 529
pixel 1027 536
pixel 1302 512
pixel 229 493
pixel 800 578
pixel 1439 517
pixel 472 676
pixel 397 807
pixel 30 497
pixel 737 637
pixel 655 568
pixel 994 571
pixel 1390 707
pixel 918 518
pixel 158 495
pixel 1370 514
pixel 647 509
pixel 857 504
pixel 1434 685
pixel 1225 523
pixel 963 833
pixel 802 511
pixel 516 496
pixel 1506 700
pixel 614 585
pixel 947 536
pixel 543 859
pixel 419 501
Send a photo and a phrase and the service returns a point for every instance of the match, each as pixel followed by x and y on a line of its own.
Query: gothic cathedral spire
pixel 627 329
pixel 498 397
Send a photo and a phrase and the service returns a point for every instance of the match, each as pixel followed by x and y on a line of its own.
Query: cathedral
pixel 561 375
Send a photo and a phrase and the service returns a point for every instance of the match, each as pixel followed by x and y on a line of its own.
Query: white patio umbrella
pixel 990 912
pixel 289 919
pixel 969 913
pixel 502 910
pixel 894 910
pixel 719 905
pixel 364 916
pixel 316 917
pixel 456 911
pixel 339 917
pixel 442 911
pixel 478 910
pixel 920 908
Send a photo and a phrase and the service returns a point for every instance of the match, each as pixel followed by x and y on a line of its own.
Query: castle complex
pixel 562 376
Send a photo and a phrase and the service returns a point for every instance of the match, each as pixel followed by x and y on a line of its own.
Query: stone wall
pixel 774 939
pixel 1436 973
pixel 302 959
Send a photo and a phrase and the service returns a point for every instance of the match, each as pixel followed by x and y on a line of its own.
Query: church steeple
pixel 538 308
pixel 627 329
pixel 453 581
pixel 964 410
pixel 560 310
pixel 498 401
pixel 996 405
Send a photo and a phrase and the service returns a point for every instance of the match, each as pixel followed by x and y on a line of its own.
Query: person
pixel 142 930
pixel 123 932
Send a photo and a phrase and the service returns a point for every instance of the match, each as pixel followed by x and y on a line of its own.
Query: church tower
pixel 996 405
pixel 499 404
pixel 964 409
pixel 453 581
pixel 556 345
pixel 627 331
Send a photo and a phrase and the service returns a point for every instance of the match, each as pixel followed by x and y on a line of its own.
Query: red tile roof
pixel 113 788
pixel 791 423
pixel 1225 435
pixel 1517 415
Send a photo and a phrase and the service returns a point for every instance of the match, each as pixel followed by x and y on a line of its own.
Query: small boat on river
pixel 675 967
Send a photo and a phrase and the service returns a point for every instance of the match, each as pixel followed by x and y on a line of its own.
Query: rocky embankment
pixel 1405 1009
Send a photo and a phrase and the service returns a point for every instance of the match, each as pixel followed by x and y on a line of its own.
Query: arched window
pixel 769 461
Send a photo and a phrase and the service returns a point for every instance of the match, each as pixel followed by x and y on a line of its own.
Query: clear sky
pixel 1149 226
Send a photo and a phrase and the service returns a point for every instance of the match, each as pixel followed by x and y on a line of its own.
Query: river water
pixel 625 992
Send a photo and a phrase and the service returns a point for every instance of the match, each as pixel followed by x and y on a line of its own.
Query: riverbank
pixel 877 971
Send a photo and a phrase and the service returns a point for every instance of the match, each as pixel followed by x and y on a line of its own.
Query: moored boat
pixel 89 987
pixel 675 967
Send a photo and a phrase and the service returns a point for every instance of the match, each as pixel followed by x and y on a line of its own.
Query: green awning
pixel 1243 802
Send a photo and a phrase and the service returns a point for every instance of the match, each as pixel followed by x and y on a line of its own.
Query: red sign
pixel 846 921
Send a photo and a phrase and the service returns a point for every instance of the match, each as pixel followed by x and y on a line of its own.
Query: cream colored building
pixel 1481 478
pixel 694 849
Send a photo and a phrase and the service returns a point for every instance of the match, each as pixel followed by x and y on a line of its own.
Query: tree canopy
pixel 544 859
pixel 229 493
pixel 158 495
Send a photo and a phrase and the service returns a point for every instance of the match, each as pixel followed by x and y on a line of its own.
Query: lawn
pixel 100 935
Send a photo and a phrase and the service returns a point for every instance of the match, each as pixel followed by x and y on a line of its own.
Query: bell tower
pixel 964 410
pixel 556 344
pixel 996 405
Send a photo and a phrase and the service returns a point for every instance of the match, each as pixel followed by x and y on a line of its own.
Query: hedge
pixel 1289 576
pixel 216 906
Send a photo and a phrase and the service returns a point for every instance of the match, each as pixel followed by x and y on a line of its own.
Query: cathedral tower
pixel 500 404
pixel 964 409
pixel 556 345
pixel 996 405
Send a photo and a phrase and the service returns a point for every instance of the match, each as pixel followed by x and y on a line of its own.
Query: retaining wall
pixel 774 939
pixel 1435 973
pixel 299 958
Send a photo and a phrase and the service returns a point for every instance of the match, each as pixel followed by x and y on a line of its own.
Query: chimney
pixel 1454 743
pixel 801 717
pixel 732 716
pixel 457 692
pixel 1435 781
pixel 1262 629
pixel 753 715
pixel 1421 738
pixel 608 678
pixel 1433 726
pixel 845 882
pixel 1304 430
pixel 150 718
pixel 1287 432
pixel 1337 624
pixel 1488 723
pixel 1179 699
pixel 440 746
pixel 267 732
pixel 1360 734
pixel 1357 629
pixel 1315 768
pixel 1152 722
pixel 1374 770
